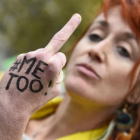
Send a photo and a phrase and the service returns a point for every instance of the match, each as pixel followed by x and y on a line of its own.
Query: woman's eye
pixel 95 38
pixel 123 51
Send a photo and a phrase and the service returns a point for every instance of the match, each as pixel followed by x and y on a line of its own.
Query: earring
pixel 124 120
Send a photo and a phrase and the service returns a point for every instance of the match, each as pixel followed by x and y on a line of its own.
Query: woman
pixel 102 82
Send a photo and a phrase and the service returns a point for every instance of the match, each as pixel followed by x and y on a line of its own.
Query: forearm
pixel 31 82
pixel 13 121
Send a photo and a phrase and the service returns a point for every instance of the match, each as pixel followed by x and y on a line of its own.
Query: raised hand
pixel 35 78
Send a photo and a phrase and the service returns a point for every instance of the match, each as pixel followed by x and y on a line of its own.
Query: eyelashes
pixel 95 37
pixel 121 49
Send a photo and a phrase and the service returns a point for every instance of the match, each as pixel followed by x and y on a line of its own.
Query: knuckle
pixel 54 65
pixel 53 68
pixel 20 56
pixel 58 62
pixel 62 58
pixel 29 54
pixel 40 55
pixel 57 92
pixel 62 55
pixel 72 25
pixel 60 36
pixel 39 50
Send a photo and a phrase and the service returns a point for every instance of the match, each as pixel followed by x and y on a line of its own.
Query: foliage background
pixel 26 25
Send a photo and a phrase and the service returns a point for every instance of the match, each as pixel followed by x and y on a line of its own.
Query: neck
pixel 72 117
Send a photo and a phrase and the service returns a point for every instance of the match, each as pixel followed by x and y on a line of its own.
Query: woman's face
pixel 101 63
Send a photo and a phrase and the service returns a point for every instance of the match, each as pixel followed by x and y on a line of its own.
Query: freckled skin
pixel 41 68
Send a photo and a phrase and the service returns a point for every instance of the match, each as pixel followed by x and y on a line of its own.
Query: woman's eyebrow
pixel 102 23
pixel 128 35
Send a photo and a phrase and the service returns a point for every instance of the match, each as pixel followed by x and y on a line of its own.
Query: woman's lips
pixel 87 70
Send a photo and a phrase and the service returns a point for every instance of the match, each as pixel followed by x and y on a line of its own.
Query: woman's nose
pixel 99 51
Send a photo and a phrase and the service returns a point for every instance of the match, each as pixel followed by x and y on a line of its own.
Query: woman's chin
pixel 76 84
pixel 77 88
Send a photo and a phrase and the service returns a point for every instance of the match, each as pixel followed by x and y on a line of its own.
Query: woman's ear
pixel 134 96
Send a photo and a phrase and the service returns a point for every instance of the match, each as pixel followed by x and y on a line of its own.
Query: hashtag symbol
pixel 15 66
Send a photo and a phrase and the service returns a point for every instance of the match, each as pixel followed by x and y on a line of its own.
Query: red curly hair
pixel 130 11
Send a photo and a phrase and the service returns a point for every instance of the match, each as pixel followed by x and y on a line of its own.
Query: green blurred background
pixel 26 25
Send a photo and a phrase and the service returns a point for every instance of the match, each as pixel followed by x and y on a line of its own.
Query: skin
pixel 106 55
pixel 17 106
pixel 112 54
pixel 97 98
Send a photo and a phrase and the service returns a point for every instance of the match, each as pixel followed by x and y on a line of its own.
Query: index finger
pixel 62 36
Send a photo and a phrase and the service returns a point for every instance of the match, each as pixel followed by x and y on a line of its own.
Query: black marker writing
pixel 10 80
pixel 32 84
pixel 15 65
pixel 37 68
pixel 50 83
pixel 26 83
pixel 33 60
pixel 22 82
pixel 37 90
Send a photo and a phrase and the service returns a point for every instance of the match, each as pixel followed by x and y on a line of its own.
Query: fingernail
pixel 77 16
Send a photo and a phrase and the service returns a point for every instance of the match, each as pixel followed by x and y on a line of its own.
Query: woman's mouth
pixel 87 70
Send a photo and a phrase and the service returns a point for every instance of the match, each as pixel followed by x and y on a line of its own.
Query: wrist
pixel 14 109
pixel 13 121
